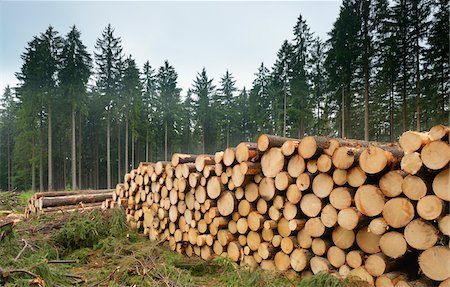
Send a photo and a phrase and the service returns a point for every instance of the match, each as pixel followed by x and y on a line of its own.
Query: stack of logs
pixel 366 209
pixel 69 201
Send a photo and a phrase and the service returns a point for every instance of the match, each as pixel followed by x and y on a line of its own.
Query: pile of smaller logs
pixel 68 201
pixel 378 211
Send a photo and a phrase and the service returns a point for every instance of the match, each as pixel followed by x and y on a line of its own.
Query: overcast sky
pixel 237 36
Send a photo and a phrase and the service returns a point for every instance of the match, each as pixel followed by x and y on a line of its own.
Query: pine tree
pixel 151 106
pixel 341 62
pixel 436 83
pixel 204 89
pixel 169 98
pixel 226 98
pixel 300 103
pixel 74 75
pixel 261 108
pixel 280 87
pixel 108 59
pixel 134 107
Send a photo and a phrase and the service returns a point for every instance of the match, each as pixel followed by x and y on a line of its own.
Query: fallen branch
pixel 63 261
pixel 23 249
pixel 106 278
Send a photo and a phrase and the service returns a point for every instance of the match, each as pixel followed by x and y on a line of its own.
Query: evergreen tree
pixel 74 75
pixel 341 62
pixel 261 110
pixel 227 88
pixel 169 98
pixel 151 106
pixel 436 83
pixel 280 87
pixel 300 104
pixel 108 59
pixel 8 108
pixel 132 92
pixel 204 105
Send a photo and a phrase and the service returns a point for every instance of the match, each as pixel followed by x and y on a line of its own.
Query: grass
pixel 107 253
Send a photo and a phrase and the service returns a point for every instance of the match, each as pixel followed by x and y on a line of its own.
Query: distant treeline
pixel 383 70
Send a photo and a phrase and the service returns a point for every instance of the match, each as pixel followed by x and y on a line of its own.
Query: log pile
pixel 353 208
pixel 65 201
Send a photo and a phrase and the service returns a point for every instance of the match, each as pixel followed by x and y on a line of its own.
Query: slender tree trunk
pixel 228 132
pixel 9 161
pixel 165 141
pixel 146 146
pixel 74 153
pixel 126 144
pixel 366 101
pixel 41 157
pixel 33 175
pixel 79 152
pixel 343 114
pixel 284 111
pixel 391 114
pixel 50 149
pixel 96 167
pixel 118 154
pixel 203 139
pixel 108 152
pixel 132 149
pixel 417 85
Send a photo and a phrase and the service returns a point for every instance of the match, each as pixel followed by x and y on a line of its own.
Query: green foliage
pixel 84 232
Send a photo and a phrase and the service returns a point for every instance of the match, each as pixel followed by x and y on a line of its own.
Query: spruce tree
pixel 74 75
pixel 108 59
pixel 227 101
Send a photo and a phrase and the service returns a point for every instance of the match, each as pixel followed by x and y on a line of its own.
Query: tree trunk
pixel 391 115
pixel 165 141
pixel 9 162
pixel 118 154
pixel 146 146
pixel 80 140
pixel 50 149
pixel 132 149
pixel 74 153
pixel 108 152
pixel 126 144
pixel 33 169
pixel 417 84
pixel 343 114
pixel 41 159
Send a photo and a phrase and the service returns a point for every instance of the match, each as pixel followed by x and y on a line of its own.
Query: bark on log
pixel 266 141
pixel 73 199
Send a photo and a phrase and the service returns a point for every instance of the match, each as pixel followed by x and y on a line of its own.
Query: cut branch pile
pixel 372 210
pixel 65 201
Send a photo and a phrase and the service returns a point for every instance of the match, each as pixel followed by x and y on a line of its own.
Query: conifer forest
pixel 81 119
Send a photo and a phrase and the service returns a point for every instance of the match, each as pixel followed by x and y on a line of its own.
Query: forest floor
pixel 96 248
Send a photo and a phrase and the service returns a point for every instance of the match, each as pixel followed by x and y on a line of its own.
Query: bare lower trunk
pixel 132 149
pixel 284 113
pixel 417 86
pixel 391 115
pixel 146 147
pixel 118 154
pixel 50 149
pixel 108 152
pixel 366 104
pixel 33 169
pixel 343 114
pixel 9 162
pixel 126 144
pixel 79 153
pixel 165 141
pixel 74 153
pixel 41 161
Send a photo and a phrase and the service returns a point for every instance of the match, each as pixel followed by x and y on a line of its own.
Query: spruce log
pixel 369 200
pixel 421 234
pixel 430 207
pixel 373 159
pixel 289 147
pixel 73 199
pixel 391 183
pixel 439 132
pixel 441 185
pixel 411 163
pixel 398 212
pixel 322 185
pixel 393 244
pixel 435 263
pixel 178 158
pixel 272 162
pixel 411 141
pixel 247 151
pixel 436 155
pixel 367 241
pixel 266 141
